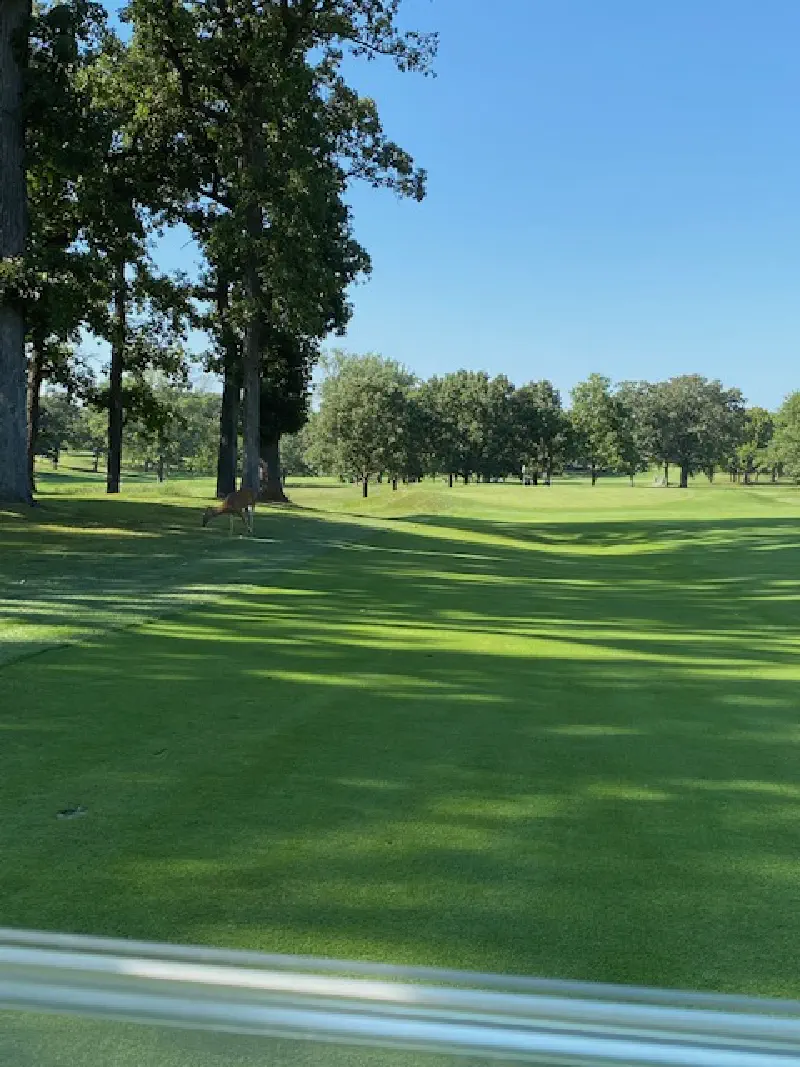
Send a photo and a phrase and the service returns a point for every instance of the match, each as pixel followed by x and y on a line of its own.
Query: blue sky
pixel 613 186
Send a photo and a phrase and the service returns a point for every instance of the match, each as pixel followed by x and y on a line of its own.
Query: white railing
pixel 445 1012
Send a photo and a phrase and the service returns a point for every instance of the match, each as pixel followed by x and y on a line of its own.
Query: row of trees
pixel 230 118
pixel 375 418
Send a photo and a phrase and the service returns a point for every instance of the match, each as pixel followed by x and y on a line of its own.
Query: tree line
pixel 376 419
pixel 232 120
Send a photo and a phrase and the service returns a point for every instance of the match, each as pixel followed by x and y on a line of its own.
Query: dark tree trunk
pixel 450 477
pixel 666 474
pixel 535 477
pixel 251 358
pixel 15 484
pixel 774 474
pixel 161 467
pixel 747 477
pixel 228 433
pixel 271 482
pixel 96 466
pixel 35 376
pixel 466 478
pixel 251 380
pixel 594 475
pixel 55 458
pixel 684 482
pixel 394 484
pixel 365 486
pixel 115 381
pixel 229 409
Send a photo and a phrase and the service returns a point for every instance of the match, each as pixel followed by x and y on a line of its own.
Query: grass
pixel 538 731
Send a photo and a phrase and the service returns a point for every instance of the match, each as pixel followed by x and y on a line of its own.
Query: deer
pixel 240 502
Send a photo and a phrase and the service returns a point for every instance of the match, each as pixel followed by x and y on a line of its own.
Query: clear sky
pixel 614 186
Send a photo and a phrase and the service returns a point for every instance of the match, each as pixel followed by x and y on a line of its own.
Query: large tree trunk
pixel 228 434
pixel 251 358
pixel 365 486
pixel 118 340
pixel 450 480
pixel 229 409
pixel 14 479
pixel 684 482
pixel 666 474
pixel 594 474
pixel 271 481
pixel 35 376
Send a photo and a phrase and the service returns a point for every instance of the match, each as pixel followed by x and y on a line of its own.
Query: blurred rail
pixel 455 1013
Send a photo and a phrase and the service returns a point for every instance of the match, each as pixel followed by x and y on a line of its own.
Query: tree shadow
pixel 442 746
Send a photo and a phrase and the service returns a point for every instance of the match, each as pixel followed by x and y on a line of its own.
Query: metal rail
pixel 510 1019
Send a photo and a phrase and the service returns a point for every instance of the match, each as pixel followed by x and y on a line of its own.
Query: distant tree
pixel 295 458
pixel 362 415
pixel 753 452
pixel 90 434
pixel 595 420
pixel 689 421
pixel 59 420
pixel 786 444
pixel 631 457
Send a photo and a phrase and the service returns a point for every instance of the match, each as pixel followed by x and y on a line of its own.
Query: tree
pixel 689 421
pixel 758 431
pixel 90 433
pixel 14 482
pixel 631 457
pixel 271 132
pixel 595 419
pixel 60 418
pixel 295 457
pixel 786 444
pixel 284 408
pixel 65 39
pixel 363 415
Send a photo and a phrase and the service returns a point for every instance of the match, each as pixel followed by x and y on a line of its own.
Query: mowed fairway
pixel 540 731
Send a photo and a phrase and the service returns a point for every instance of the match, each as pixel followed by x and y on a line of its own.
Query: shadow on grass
pixel 459 745
pixel 73 568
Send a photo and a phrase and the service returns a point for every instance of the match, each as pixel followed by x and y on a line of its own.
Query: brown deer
pixel 241 502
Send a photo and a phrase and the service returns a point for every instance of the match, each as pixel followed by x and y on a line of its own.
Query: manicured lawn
pixel 542 731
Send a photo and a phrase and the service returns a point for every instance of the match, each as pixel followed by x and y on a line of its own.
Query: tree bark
pixel 394 484
pixel 228 433
pixel 666 474
pixel 14 478
pixel 251 359
pixel 161 466
pixel 451 480
pixel 271 481
pixel 684 482
pixel 365 486
pixel 229 409
pixel 35 376
pixel 594 474
pixel 118 340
